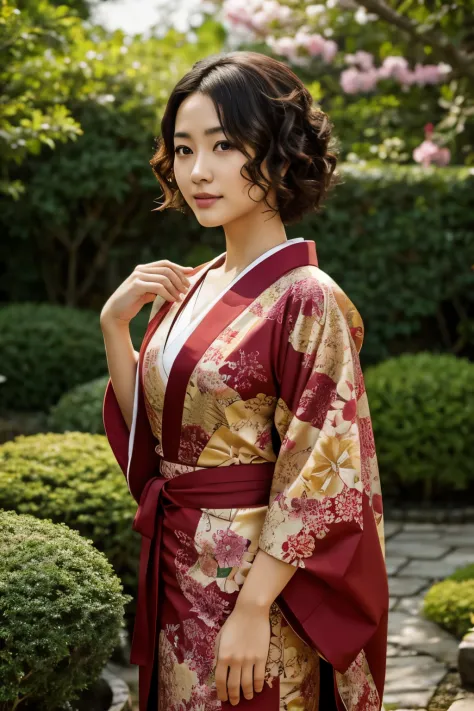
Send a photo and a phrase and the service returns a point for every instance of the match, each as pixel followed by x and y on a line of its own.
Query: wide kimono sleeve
pixel 325 510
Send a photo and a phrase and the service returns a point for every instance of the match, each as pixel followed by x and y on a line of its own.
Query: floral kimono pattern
pixel 269 381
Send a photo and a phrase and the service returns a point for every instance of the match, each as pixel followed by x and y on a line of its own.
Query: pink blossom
pixel 429 152
pixel 297 546
pixel 364 60
pixel 230 547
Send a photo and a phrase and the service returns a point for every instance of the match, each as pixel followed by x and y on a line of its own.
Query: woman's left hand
pixel 242 650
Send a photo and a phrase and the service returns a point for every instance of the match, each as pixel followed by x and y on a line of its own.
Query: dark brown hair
pixel 262 103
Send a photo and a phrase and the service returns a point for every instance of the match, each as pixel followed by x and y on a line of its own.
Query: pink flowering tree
pixel 382 71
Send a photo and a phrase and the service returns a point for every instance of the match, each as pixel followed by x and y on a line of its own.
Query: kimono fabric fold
pixel 161 500
pixel 258 437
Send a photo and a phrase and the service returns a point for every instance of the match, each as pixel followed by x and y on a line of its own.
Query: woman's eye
pixel 217 144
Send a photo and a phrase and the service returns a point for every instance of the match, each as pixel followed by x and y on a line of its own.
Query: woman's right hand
pixel 145 283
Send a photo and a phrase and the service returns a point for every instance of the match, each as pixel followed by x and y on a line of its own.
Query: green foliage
pixel 400 241
pixel 422 408
pixel 84 196
pixel 466 573
pixel 74 479
pixel 80 409
pixel 46 350
pixel 34 46
pixel 450 603
pixel 61 610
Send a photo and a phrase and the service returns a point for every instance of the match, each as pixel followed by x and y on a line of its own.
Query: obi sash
pixel 234 486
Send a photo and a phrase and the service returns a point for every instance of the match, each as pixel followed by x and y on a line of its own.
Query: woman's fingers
pixel 221 679
pixel 259 675
pixel 233 683
pixel 155 287
pixel 247 680
pixel 176 281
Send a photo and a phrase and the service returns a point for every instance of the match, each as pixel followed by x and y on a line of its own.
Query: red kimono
pixel 259 436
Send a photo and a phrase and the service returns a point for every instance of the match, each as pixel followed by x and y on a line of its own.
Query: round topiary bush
pixel 61 611
pixel 422 408
pixel 45 350
pixel 80 409
pixel 450 603
pixel 73 478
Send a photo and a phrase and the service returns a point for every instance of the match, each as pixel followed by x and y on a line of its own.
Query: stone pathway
pixel 419 652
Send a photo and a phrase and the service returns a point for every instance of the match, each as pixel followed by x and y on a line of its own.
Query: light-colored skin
pixel 204 164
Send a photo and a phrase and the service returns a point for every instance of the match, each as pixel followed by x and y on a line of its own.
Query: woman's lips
pixel 206 202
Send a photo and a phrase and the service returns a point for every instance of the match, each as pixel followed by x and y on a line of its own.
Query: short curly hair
pixel 260 102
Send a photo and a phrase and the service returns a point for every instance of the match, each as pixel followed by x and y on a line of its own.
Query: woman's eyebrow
pixel 207 132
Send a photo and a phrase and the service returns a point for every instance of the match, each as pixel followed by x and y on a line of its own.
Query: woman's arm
pixel 122 363
pixel 265 580
pixel 244 639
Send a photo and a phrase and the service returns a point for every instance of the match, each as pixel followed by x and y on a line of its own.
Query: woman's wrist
pixel 108 323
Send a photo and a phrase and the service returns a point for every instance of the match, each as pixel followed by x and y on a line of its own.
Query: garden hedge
pixel 46 350
pixel 80 409
pixel 450 603
pixel 422 409
pixel 61 612
pixel 73 478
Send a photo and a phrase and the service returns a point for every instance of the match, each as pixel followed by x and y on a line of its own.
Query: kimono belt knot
pixel 234 486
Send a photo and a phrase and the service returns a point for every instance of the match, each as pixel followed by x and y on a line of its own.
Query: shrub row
pixel 74 479
pixel 450 603
pixel 61 611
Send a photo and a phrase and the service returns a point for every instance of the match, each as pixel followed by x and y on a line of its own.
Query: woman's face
pixel 210 164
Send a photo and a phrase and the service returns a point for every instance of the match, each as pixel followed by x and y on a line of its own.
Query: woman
pixel 244 431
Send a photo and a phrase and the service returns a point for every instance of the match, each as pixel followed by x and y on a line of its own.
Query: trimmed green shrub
pixel 450 603
pixel 399 240
pixel 45 350
pixel 80 409
pixel 61 611
pixel 74 479
pixel 422 408
pixel 465 573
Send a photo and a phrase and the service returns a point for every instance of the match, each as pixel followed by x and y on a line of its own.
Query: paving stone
pixel 466 660
pixel 418 536
pixel 458 539
pixel 392 601
pixel 391 527
pixel 462 705
pixel 461 556
pixel 420 673
pixel 412 604
pixel 421 526
pixel 425 551
pixel 433 569
pixel 401 587
pixel 423 636
pixel 392 650
pixel 394 564
pixel 410 700
pixel 464 528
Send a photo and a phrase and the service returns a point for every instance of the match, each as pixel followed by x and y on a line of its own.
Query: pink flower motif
pixel 348 506
pixel 230 548
pixel 297 546
pixel 207 562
